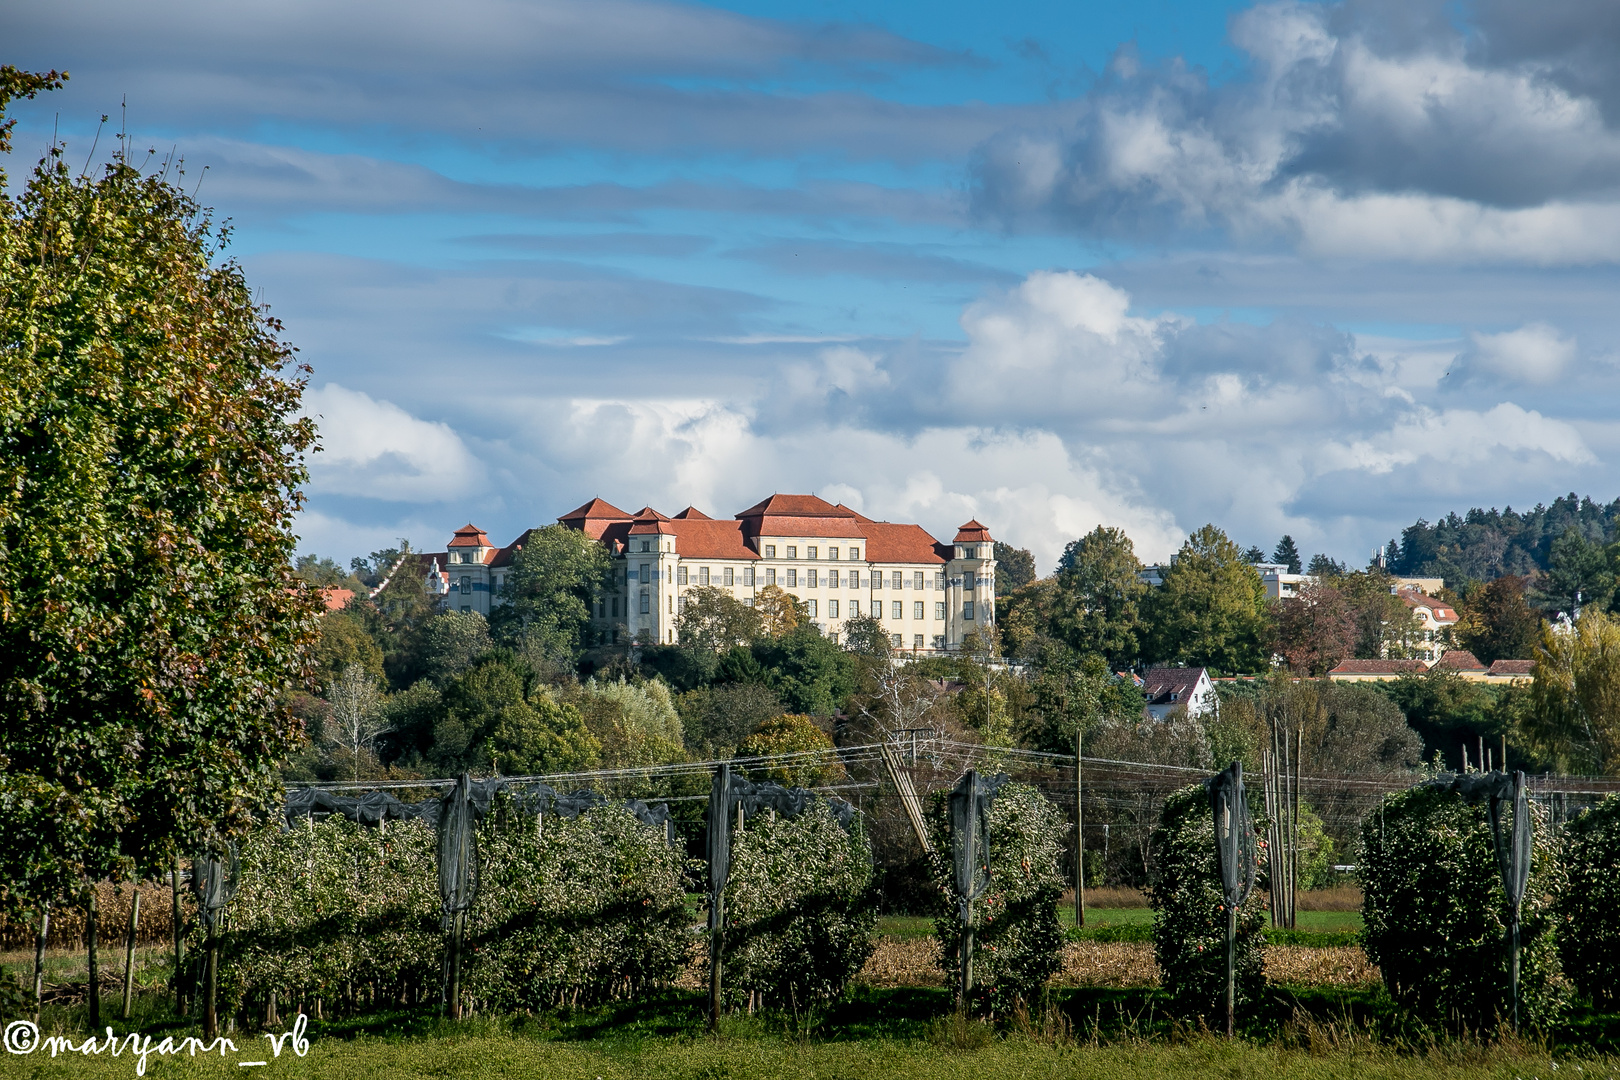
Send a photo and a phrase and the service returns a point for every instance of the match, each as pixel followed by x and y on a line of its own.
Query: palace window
pixel 939 609
pixel 810 553
pixel 854 554
pixel 466 586
pixel 916 641
pixel 793 579
pixel 646 602
pixel 812 607
pixel 967 610
pixel 917 580
pixel 832 609
pixel 877 609
pixel 730 577
pixel 748 577
pixel 895 640
pixel 917 609
pixel 770 575
pixel 703 575
pixel 897 610
pixel 832 553
pixel 793 551
pixel 680 576
pixel 770 551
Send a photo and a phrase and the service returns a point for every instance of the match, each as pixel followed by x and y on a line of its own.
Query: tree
pixel 1073 692
pixel 779 612
pixel 151 452
pixel 557 575
pixel 1211 610
pixel 452 643
pixel 541 736
pixel 1015 568
pixel 397 615
pixel 1576 694
pixel 1024 617
pixel 794 733
pixel 1098 595
pixel 1315 630
pixel 1254 554
pixel 716 719
pixel 355 721
pixel 1324 566
pixel 1578 574
pixel 343 641
pixel 1496 623
pixel 1449 712
pixel 635 722
pixel 1386 626
pixel 714 621
pixel 1287 554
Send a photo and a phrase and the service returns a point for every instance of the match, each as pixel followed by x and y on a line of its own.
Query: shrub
pixel 1018 942
pixel 330 907
pixel 592 909
pixel 800 909
pixel 1586 904
pixel 1189 918
pixel 1435 912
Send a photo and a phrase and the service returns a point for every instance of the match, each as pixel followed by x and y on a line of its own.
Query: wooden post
pixel 967 959
pixel 179 943
pixel 94 990
pixel 39 958
pixel 129 947
pixel 716 950
pixel 1231 969
pixel 211 984
pixel 457 928
pixel 1079 834
pixel 1293 840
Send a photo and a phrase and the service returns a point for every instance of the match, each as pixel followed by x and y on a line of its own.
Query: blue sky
pixel 1308 268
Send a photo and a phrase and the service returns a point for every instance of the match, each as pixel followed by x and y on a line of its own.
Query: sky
pixel 1316 269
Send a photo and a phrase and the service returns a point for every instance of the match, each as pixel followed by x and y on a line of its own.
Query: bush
pixel 1018 942
pixel 328 907
pixel 800 909
pixel 1189 918
pixel 1435 913
pixel 591 910
pixel 1586 904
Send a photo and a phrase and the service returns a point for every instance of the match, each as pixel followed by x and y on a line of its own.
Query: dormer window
pixel 646 545
pixel 770 551
pixel 832 553
pixel 855 554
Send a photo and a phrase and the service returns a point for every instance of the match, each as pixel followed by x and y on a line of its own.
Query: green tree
pixel 1073 692
pixel 808 672
pixel 1576 694
pixel 1211 610
pixel 779 612
pixel 452 643
pixel 635 722
pixel 151 450
pixel 397 616
pixel 1386 627
pixel 1287 554
pixel 1098 595
pixel 714 621
pixel 794 733
pixel 557 574
pixel 344 641
pixel 1024 617
pixel 542 735
pixel 1015 568
pixel 1496 623
pixel 1578 574
pixel 716 719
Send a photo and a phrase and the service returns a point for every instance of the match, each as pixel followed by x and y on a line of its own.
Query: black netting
pixel 970 802
pixel 458 848
pixel 1235 852
pixel 1512 839
pixel 214 881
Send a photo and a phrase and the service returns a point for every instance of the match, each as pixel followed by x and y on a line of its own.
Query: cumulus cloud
pixel 376 450
pixel 1535 353
pixel 1358 131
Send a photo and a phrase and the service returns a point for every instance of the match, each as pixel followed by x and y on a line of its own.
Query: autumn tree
pixel 779 612
pixel 715 621
pixel 1497 623
pixel 1314 630
pixel 1576 694
pixel 151 452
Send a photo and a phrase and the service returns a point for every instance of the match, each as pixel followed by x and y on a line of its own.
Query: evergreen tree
pixel 1287 554
pixel 1254 554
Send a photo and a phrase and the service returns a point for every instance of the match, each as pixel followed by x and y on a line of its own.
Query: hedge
pixel 1435 914
pixel 1586 904
pixel 800 909
pixel 1018 941
pixel 1189 918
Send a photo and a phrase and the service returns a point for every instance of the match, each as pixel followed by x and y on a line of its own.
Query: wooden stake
pixel 94 990
pixel 129 947
pixel 179 943
pixel 1079 834
pixel 39 958
pixel 716 949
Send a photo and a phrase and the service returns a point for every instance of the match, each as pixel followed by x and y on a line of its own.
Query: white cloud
pixel 376 450
pixel 1535 353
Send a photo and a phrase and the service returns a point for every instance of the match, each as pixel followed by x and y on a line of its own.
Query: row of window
pixel 795 578
pixel 897 608
pixel 810 552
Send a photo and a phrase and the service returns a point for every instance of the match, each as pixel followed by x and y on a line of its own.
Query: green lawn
pixel 874 1035
pixel 1136 924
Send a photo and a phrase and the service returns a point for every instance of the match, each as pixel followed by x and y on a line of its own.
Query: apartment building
pixel 928 595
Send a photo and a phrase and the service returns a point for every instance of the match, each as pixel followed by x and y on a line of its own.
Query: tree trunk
pixel 129 947
pixel 93 993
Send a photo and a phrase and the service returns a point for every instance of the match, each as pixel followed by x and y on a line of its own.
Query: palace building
pixel 928 595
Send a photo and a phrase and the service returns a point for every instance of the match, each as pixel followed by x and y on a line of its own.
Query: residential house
pixel 1165 689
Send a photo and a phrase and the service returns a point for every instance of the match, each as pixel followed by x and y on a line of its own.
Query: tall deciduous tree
pixel 151 450
pixel 555 578
pixel 1211 610
pixel 1095 608
pixel 1576 694
pixel 716 622
pixel 1015 568
pixel 1315 630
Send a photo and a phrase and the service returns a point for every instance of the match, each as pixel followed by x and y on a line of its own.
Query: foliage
pixel 327 905
pixel 1495 622
pixel 1074 693
pixel 1190 917
pixel 543 736
pixel 398 615
pixel 1018 942
pixel 714 621
pixel 1315 630
pixel 1586 905
pixel 1024 617
pixel 1098 595
pixel 327 574
pixel 1287 554
pixel 487 718
pixel 1435 913
pixel 809 673
pixel 1579 574
pixel 635 722
pixel 1385 626
pixel 452 642
pixel 1482 545
pixel 355 720
pixel 1211 610
pixel 1576 694
pixel 800 909
pixel 1015 567
pixel 557 575
pixel 794 733
pixel 716 719
pixel 151 449
pixel 1448 711
pixel 16 84
pixel 588 910
pixel 779 612
pixel 343 642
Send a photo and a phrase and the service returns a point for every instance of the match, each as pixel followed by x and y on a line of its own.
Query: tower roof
pixel 470 535
pixel 972 533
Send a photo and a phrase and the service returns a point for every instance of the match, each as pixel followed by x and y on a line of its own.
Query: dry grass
pixel 1338 898
pixel 1109 896
pixel 112 903
pixel 1119 964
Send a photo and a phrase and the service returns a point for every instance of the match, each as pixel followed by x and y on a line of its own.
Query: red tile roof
pixel 594 518
pixel 649 521
pixel 972 533
pixel 794 506
pixel 706 538
pixel 505 556
pixel 887 542
pixel 1460 660
pixel 470 535
pixel 1443 612
pixel 336 599
pixel 692 513
pixel 1380 667
pixel 1512 667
